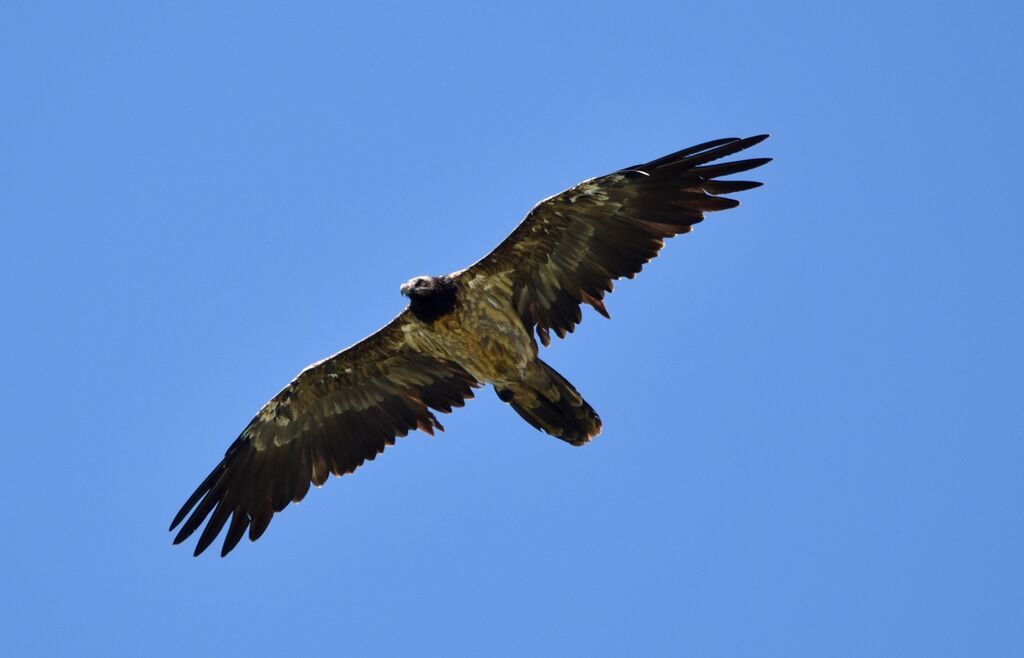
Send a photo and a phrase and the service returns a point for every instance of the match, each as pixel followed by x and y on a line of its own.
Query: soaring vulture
pixel 460 331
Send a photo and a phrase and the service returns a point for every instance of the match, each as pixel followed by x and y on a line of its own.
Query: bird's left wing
pixel 331 418
pixel 572 246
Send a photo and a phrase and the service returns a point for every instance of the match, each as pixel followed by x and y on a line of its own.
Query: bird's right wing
pixel 331 418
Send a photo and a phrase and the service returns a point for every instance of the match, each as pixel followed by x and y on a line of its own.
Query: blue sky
pixel 813 437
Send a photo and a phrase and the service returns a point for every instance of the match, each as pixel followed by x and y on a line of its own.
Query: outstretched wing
pixel 331 418
pixel 572 246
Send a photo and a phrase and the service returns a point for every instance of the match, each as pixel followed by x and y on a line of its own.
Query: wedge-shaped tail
pixel 550 403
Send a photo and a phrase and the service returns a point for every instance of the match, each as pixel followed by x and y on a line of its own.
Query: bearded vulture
pixel 463 330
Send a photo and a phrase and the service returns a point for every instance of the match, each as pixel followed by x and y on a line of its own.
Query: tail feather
pixel 550 403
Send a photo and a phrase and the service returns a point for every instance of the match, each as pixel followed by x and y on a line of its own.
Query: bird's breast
pixel 483 335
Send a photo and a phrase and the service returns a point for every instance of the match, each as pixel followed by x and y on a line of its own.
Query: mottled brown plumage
pixel 460 331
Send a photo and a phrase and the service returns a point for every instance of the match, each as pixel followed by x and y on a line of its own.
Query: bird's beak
pixel 405 289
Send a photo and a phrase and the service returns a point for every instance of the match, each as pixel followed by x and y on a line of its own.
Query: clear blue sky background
pixel 813 435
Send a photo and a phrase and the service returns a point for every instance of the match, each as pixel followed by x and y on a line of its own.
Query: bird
pixel 464 330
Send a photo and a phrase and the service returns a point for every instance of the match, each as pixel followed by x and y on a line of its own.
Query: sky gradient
pixel 814 437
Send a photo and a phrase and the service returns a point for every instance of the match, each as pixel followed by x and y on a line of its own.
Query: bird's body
pixel 460 331
pixel 482 333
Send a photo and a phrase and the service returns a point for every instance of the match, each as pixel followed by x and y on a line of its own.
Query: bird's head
pixel 422 286
pixel 431 297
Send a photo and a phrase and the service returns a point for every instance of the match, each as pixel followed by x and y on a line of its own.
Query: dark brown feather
pixel 236 530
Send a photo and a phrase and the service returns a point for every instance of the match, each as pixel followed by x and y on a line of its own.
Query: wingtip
pixel 178 518
pixel 183 533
